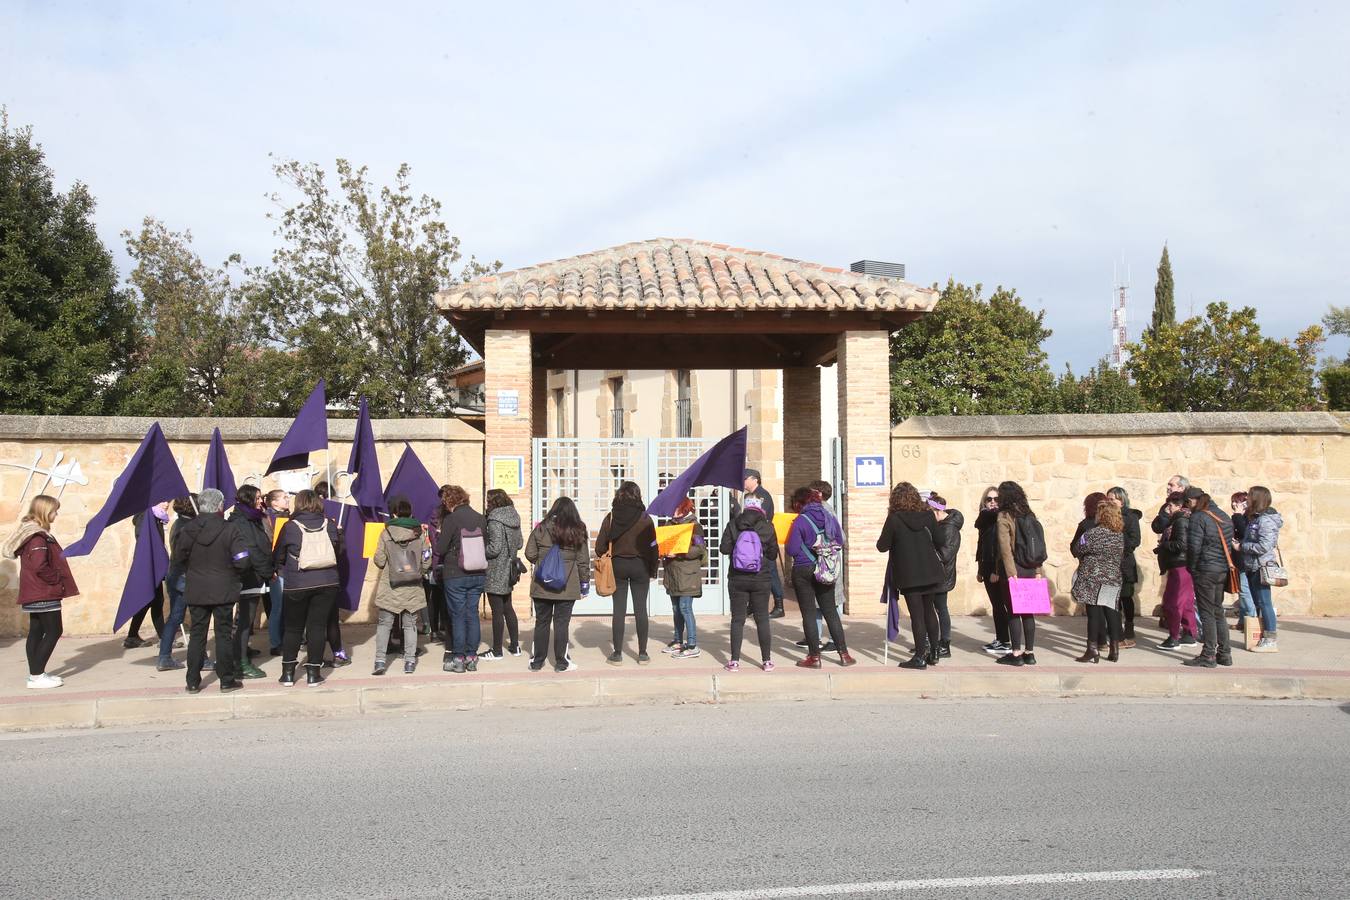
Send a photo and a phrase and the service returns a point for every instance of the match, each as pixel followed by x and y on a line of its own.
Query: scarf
pixel 248 512
pixel 406 522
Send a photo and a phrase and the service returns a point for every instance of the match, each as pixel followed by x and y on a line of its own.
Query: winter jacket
pixel 986 547
pixel 44 573
pixel 682 574
pixel 1171 547
pixel 1076 546
pixel 405 598
pixel 912 540
pixel 802 537
pixel 215 559
pixel 175 567
pixel 1007 542
pixel 1162 520
pixel 1129 567
pixel 1205 540
pixel 631 533
pixel 1260 540
pixel 577 560
pixel 1099 564
pixel 750 520
pixel 462 518
pixel 504 541
pixel 254 534
pixel 949 531
pixel 286 556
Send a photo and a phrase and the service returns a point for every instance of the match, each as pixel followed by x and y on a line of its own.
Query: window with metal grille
pixel 616 389
pixel 684 404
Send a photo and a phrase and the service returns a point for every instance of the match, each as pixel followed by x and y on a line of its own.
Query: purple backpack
pixel 748 554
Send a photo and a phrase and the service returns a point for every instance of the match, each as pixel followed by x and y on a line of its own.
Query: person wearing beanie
pixel 754 487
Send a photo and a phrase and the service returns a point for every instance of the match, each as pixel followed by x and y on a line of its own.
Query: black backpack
pixel 1029 551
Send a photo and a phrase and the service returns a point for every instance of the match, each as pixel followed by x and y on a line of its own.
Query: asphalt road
pixel 801 800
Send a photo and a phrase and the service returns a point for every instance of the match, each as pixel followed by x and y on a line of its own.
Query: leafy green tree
pixel 1164 301
pixel 1336 386
pixel 971 356
pixel 1337 320
pixel 350 294
pixel 1222 362
pixel 1102 390
pixel 66 331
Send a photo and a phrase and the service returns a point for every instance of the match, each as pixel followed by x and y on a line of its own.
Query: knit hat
pixel 753 502
pixel 1194 493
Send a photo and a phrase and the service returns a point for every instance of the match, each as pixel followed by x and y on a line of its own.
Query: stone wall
pixel 1304 458
pixel 451 451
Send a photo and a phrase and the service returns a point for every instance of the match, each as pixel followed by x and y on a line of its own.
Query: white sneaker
pixel 571 667
pixel 42 682
pixel 57 678
pixel 490 656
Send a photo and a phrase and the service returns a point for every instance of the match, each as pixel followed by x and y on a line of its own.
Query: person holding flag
pixel 155 607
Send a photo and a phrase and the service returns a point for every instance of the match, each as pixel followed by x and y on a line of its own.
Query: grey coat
pixel 503 541
pixel 578 562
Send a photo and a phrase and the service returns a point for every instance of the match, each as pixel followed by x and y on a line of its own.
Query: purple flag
pixel 892 601
pixel 308 432
pixel 151 477
pixel 352 563
pixel 412 480
pixel 149 565
pixel 723 465
pixel 218 473
pixel 364 466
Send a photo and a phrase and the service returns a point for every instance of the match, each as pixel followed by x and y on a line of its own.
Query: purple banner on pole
pixel 364 466
pixel 149 565
pixel 412 480
pixel 218 473
pixel 723 465
pixel 308 432
pixel 151 477
pixel 352 563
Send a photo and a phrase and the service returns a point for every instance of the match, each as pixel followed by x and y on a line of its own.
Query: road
pixel 919 798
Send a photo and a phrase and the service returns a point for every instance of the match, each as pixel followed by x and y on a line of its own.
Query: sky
pixel 1043 146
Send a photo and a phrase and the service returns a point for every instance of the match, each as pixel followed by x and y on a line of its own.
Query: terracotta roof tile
pixel 676 273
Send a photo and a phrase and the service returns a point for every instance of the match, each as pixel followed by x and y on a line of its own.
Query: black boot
pixel 915 662
pixel 931 657
pixel 944 649
pixel 287 674
pixel 777 611
pixel 313 677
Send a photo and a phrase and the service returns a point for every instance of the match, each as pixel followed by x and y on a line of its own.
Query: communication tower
pixel 1120 336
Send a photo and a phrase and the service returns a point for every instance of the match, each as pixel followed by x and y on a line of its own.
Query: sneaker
pixel 491 656
pixel 409 666
pixel 43 682
pixel 1009 660
pixel 1266 645
pixel 1028 659
pixel 471 664
pixel 643 659
pixel 768 665
pixel 1201 662
pixel 380 668
pixel 457 666
pixel 733 666
pixel 208 665
pixel 992 645
pixel 1127 644
pixel 690 652
pixel 997 648
pixel 1169 644
pixel 340 660
pixel 514 651
pixel 168 665
pixel 828 647
pixel 803 643
pixel 249 670
pixel 1188 640
pixel 536 665
pixel 615 659
pixel 568 666
pixel 673 648
pixel 1224 659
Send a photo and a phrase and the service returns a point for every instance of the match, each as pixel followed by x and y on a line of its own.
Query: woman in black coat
pixel 911 537
pixel 986 564
pixel 1129 569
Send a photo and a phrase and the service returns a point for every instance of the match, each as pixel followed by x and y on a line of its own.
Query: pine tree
pixel 1164 304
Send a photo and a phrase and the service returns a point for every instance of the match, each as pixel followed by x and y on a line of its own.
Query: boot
pixel 287 674
pixel 944 649
pixel 931 657
pixel 447 662
pixel 1114 655
pixel 777 611
pixel 811 662
pixel 249 670
pixel 845 659
pixel 313 677
pixel 915 662
pixel 1091 654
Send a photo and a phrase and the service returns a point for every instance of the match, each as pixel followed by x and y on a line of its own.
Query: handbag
pixel 1029 596
pixel 1273 575
pixel 603 565
pixel 1232 586
pixel 1108 595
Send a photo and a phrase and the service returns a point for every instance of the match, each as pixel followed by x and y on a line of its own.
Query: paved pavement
pixel 974 798
pixel 107 685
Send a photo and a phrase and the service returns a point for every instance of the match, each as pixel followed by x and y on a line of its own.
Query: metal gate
pixel 591 470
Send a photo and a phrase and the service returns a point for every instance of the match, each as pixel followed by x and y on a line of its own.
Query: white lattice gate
pixel 590 471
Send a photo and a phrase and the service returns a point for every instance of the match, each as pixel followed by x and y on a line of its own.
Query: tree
pixel 65 328
pixel 351 291
pixel 1102 390
pixel 971 356
pixel 1164 303
pixel 1222 362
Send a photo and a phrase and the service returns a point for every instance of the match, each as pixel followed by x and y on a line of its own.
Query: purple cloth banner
pixel 149 565
pixel 218 473
pixel 722 466
pixel 364 467
pixel 151 477
pixel 352 565
pixel 308 432
pixel 892 601
pixel 412 480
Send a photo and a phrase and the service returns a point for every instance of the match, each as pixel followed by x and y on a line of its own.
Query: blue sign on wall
pixel 869 471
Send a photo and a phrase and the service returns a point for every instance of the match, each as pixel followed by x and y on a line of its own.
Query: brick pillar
pixel 801 429
pixel 764 441
pixel 508 367
pixel 864 426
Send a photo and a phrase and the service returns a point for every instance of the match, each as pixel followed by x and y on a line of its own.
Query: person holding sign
pixel 683 579
pixel 1021 552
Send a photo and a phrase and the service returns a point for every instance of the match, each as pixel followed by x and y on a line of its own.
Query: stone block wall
pixel 1304 458
pixel 451 450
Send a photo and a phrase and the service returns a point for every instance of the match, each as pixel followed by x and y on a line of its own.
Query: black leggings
pixel 630 572
pixel 306 614
pixel 1127 609
pixel 812 595
pixel 923 618
pixel 44 630
pixel 436 614
pixel 944 617
pixel 156 611
pixel 1017 625
pixel 334 636
pixel 1103 622
pixel 743 602
pixel 503 613
pixel 555 614
pixel 1002 610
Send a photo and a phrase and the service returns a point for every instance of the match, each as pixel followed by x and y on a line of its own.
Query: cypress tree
pixel 1164 304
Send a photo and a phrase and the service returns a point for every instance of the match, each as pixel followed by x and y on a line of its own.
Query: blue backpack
pixel 748 553
pixel 552 571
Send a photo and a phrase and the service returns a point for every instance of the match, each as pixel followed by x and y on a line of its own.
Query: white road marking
pixel 928 884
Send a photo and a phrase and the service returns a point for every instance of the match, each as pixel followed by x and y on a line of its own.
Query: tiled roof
pixel 678 273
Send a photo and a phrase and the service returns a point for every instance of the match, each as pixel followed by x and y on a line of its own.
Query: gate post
pixel 864 426
pixel 508 373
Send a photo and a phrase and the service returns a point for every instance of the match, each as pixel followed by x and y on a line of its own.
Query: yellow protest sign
pixel 782 523
pixel 373 532
pixel 674 540
pixel 276 528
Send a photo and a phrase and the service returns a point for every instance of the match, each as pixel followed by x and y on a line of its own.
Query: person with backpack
pixel 1096 585
pixel 214 558
pixel 754 487
pixel 306 556
pixel 1021 549
pixel 1258 548
pixel 403 553
pixel 1209 557
pixel 751 545
pixel 558 549
pixel 948 546
pixel 628 536
pixel 682 576
pixel 912 538
pixel 248 519
pixel 1129 566
pixel 815 545
pixel 463 550
pixel 504 541
pixel 44 581
pixel 986 564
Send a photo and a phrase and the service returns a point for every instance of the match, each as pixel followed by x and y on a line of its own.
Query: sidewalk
pixel 107 685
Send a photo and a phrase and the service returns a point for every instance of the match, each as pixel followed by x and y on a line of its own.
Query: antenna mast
pixel 1120 337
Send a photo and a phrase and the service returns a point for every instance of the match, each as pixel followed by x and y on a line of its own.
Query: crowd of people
pixel 281 553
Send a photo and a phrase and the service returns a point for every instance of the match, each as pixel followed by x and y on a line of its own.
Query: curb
pixel 372 697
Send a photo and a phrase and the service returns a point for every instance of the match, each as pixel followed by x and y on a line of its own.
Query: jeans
pixel 630 573
pixel 461 599
pixel 923 618
pixel 744 601
pixel 686 630
pixel 813 596
pixel 1261 601
pixel 556 614
pixel 1209 602
pixel 201 617
pixel 177 609
pixel 382 631
pixel 276 627
pixel 307 616
pixel 1001 606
